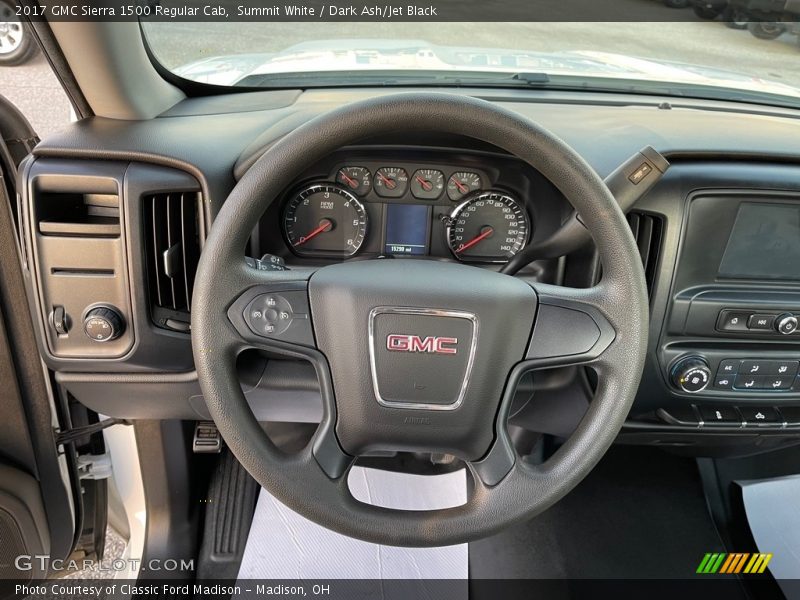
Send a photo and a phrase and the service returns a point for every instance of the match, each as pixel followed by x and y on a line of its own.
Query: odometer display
pixel 324 219
pixel 488 227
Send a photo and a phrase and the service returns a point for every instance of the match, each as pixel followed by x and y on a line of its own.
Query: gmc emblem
pixel 414 343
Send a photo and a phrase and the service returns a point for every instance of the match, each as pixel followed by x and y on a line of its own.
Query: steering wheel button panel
pixel 281 315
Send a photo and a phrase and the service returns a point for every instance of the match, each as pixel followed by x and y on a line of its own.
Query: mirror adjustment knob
pixel 103 324
pixel 786 323
pixel 691 374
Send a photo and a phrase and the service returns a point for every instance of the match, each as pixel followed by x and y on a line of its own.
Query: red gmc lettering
pixel 414 343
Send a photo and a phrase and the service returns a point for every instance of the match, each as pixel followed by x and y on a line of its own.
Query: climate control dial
pixel 691 374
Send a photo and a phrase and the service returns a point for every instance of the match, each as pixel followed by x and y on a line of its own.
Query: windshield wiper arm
pixel 532 78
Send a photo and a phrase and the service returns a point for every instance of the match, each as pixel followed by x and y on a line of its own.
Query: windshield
pixel 756 61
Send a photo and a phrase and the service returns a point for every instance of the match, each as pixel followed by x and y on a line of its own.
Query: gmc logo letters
pixel 414 343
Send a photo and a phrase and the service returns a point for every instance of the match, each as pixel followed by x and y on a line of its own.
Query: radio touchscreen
pixel 764 243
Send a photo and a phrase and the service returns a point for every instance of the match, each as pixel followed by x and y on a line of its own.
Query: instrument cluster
pixel 384 208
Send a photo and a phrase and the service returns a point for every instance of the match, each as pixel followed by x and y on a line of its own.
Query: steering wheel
pixel 418 355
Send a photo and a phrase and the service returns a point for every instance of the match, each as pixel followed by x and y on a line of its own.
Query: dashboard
pixel 718 237
pixel 448 204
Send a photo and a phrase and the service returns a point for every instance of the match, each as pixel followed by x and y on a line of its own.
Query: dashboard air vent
pixel 173 234
pixel 647 231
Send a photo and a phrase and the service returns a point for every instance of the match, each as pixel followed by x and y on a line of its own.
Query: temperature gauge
pixel 356 179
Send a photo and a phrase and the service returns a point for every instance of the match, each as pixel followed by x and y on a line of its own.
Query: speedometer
pixel 488 227
pixel 324 219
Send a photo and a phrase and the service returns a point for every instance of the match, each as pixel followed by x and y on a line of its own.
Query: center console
pixel 730 347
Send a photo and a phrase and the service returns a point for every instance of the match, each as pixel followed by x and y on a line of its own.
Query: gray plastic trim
pixel 111 66
pixel 151 348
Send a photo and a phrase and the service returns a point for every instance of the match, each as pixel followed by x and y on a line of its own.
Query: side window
pixel 26 78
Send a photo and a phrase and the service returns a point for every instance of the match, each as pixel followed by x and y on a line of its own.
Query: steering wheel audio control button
pixel 281 315
pixel 270 314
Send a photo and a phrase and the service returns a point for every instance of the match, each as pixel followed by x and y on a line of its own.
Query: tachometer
pixel 325 219
pixel 488 227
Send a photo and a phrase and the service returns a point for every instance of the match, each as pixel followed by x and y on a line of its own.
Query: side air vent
pixel 173 233
pixel 647 231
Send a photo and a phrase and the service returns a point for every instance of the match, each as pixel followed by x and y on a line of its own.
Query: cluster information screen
pixel 407 229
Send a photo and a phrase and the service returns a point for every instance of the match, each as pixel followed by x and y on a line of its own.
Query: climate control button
pixel 754 367
pixel 728 366
pixel 724 382
pixel 784 368
pixel 748 382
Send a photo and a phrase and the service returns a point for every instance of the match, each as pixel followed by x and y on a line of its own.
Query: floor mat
pixel 284 545
pixel 640 513
pixel 774 521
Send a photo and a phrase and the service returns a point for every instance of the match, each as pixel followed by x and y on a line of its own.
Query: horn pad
pixel 419 351
pixel 421 358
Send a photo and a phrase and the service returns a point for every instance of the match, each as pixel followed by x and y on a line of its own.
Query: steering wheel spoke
pixel 270 311
pixel 572 327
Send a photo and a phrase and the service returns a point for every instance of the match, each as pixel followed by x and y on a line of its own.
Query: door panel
pixel 37 512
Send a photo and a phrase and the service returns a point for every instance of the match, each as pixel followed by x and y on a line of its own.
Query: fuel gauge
pixel 462 183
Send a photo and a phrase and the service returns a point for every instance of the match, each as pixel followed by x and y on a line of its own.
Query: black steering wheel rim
pixel 313 482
